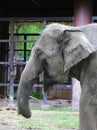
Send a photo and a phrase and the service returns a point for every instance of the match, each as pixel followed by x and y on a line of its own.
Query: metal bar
pixel 38 85
pixel 44 98
pixel 15 85
pixel 25 46
pixel 24 40
pixel 44 23
pixel 7 84
pixel 4 63
pixel 21 50
pixel 19 63
pixel 36 19
pixel 5 41
pixel 4 84
pixel 14 63
pixel 27 34
pixel 11 59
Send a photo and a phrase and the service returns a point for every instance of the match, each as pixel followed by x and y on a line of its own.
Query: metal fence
pixel 11 63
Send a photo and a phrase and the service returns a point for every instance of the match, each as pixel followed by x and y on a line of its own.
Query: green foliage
pixel 15 95
pixel 36 95
pixel 35 27
pixel 27 28
pixel 33 94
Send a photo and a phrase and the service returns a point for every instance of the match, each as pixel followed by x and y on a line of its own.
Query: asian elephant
pixel 60 49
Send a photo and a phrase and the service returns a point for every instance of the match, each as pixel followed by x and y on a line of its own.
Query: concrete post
pixel 76 92
pixel 82 12
pixel 82 16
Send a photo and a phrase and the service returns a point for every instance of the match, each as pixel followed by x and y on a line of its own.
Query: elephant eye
pixel 64 38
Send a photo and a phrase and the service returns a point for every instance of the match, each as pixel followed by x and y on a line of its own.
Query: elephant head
pixel 56 51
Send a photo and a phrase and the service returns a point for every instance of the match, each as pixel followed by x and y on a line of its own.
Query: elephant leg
pixel 88 114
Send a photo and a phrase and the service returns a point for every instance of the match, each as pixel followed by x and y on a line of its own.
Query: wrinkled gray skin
pixel 60 49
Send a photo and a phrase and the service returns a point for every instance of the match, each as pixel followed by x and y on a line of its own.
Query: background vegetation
pixel 27 28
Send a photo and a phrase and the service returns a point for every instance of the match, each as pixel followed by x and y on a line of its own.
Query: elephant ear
pixel 76 47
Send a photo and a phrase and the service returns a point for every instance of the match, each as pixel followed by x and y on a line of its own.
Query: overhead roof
pixel 38 8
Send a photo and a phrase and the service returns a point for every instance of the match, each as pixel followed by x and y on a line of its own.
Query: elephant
pixel 63 49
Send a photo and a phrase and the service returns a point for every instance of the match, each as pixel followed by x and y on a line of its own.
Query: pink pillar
pixel 82 12
pixel 82 16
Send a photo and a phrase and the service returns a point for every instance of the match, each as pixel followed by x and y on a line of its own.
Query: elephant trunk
pixel 31 72
pixel 23 97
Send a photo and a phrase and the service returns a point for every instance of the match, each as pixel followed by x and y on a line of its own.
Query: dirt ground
pixel 9 118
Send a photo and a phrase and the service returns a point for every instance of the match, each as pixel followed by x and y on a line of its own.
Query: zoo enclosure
pixel 11 63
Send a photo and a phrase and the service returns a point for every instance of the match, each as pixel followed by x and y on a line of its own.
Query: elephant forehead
pixel 52 52
pixel 51 49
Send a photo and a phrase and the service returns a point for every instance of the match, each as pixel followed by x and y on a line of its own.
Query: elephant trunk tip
pixel 23 107
pixel 26 115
